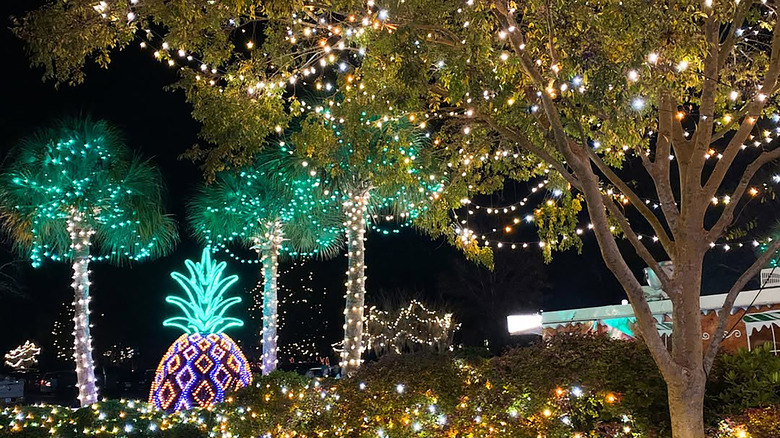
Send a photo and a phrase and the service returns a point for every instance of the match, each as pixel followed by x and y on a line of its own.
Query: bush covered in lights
pixel 595 362
pixel 463 403
pixel 417 395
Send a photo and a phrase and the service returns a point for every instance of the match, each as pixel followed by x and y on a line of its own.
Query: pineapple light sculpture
pixel 204 363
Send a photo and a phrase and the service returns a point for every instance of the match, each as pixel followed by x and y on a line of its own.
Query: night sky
pixel 129 301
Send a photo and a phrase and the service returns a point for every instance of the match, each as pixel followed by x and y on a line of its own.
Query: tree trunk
pixel 686 384
pixel 686 404
pixel 82 353
pixel 270 255
pixel 356 284
pixel 683 369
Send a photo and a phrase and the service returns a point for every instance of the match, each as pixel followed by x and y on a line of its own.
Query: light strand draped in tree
pixel 75 192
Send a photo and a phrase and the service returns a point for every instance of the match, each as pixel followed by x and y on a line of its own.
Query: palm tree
pixel 274 213
pixel 75 192
pixel 380 169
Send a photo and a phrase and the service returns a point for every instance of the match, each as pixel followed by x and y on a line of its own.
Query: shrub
pixel 591 386
pixel 595 362
pixel 754 423
pixel 763 423
pixel 279 399
pixel 744 380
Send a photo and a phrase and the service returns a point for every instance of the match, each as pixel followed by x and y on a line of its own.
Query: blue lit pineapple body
pixel 203 363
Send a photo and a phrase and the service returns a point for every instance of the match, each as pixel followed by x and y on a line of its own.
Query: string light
pixel 409 328
pixel 67 184
pixel 298 299
pixel 23 357
pixel 276 209
pixel 351 350
pixel 312 409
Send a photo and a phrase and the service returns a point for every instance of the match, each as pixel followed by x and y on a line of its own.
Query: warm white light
pixel 524 324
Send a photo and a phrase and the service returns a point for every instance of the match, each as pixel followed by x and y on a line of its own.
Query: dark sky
pixel 128 301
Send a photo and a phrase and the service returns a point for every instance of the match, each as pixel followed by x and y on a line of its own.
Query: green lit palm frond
pixel 236 207
pixel 353 151
pixel 246 206
pixel 83 168
pixel 204 307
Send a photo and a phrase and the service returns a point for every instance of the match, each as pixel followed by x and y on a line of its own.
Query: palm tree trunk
pixel 356 284
pixel 82 353
pixel 269 257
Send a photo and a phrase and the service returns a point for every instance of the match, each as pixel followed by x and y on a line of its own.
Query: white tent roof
pixel 709 303
pixel 661 308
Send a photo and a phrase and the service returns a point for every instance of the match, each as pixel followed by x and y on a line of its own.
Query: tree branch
pixel 740 12
pixel 617 265
pixel 754 111
pixel 649 216
pixel 731 297
pixel 727 215
pixel 703 136
pixel 526 144
pixel 640 248
pixel 660 170
pixel 507 20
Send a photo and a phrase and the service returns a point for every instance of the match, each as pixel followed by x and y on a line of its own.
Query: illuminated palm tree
pixel 380 169
pixel 75 192
pixel 274 213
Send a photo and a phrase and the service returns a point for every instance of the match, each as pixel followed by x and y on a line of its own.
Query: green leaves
pixel 747 379
pixel 205 306
pixel 45 29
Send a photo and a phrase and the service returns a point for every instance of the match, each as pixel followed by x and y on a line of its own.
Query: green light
pixel 774 262
pixel 205 306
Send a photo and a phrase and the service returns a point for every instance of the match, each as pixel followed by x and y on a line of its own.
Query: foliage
pixel 620 101
pixel 595 362
pixel 774 234
pixel 763 423
pixel 81 171
pixel 361 152
pixel 248 205
pixel 205 305
pixel 744 380
pixel 279 400
pixel 421 395
pixel 588 385
pixel 754 423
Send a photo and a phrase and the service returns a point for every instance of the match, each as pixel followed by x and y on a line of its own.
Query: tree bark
pixel 270 257
pixel 686 403
pixel 82 352
pixel 356 284
pixel 687 383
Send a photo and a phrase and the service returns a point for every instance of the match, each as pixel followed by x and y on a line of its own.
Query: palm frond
pixel 243 207
pixel 83 168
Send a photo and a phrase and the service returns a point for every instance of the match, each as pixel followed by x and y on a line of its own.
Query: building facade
pixel 754 319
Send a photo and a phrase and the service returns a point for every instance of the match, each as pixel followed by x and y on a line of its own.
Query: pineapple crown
pixel 205 305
